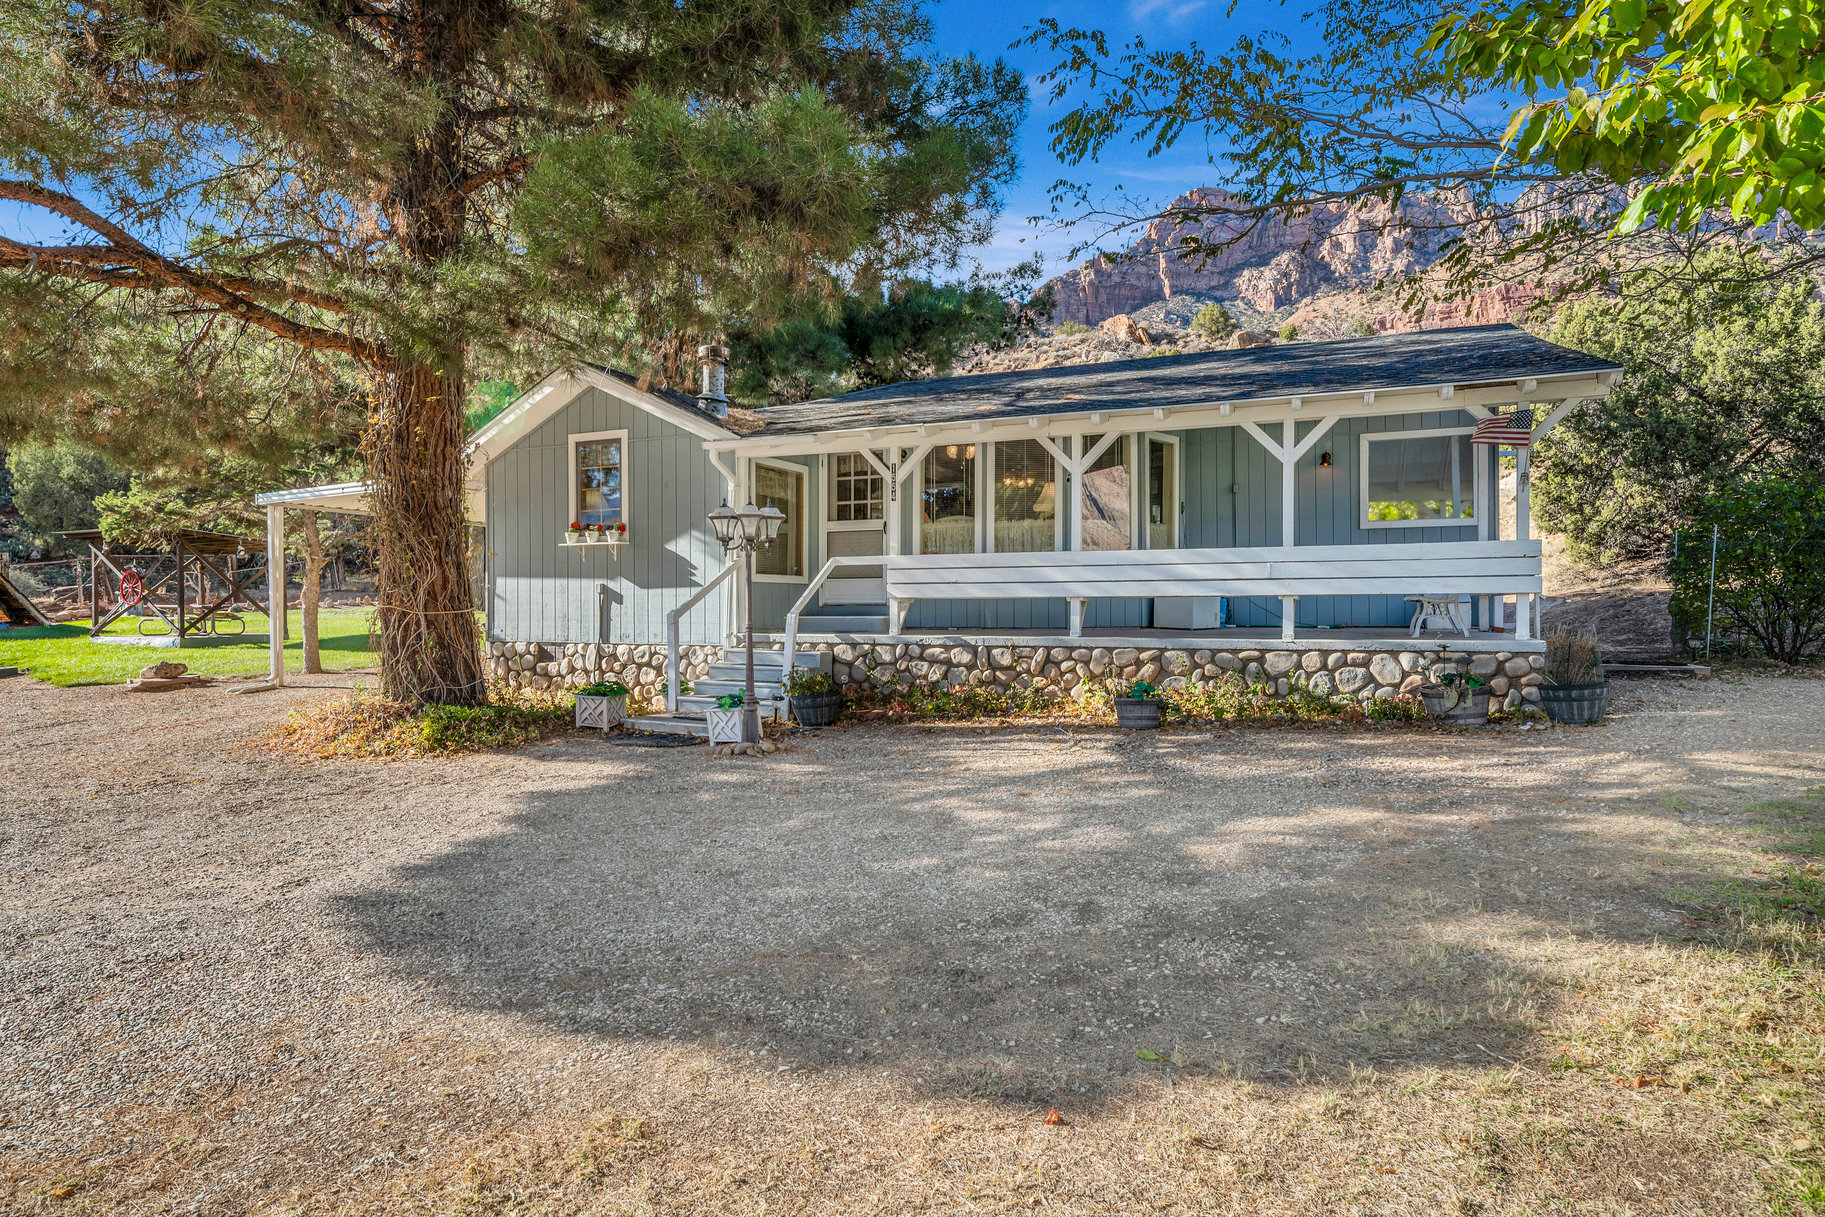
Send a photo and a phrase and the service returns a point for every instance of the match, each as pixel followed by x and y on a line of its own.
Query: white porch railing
pixel 671 634
pixel 1448 568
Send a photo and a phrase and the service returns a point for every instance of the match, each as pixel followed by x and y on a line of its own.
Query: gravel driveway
pixel 231 980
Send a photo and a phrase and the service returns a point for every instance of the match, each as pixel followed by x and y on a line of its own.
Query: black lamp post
pixel 746 530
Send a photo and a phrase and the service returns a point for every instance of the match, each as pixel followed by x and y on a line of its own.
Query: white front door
pixel 855 526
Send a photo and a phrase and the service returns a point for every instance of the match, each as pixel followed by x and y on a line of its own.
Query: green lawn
pixel 64 655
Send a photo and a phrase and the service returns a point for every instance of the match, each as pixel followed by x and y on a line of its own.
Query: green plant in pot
pixel 814 697
pixel 1138 707
pixel 725 719
pixel 602 706
pixel 1453 695
pixel 1575 690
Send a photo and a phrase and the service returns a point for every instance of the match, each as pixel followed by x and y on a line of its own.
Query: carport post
pixel 275 590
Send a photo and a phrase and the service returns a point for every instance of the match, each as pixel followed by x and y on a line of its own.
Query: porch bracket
pixel 671 635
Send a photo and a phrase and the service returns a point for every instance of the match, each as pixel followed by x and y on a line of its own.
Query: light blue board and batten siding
pixel 540 591
pixel 1328 504
pixel 1230 487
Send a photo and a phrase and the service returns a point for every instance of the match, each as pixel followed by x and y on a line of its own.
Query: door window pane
pixel 599 482
pixel 1162 493
pixel 1026 498
pixel 785 490
pixel 947 520
pixel 856 489
pixel 1108 497
pixel 1429 478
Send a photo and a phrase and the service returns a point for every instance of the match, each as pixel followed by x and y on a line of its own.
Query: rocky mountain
pixel 1323 271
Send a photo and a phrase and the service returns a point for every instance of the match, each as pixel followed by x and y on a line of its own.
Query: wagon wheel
pixel 132 588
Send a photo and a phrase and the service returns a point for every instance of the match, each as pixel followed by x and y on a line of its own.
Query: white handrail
pixel 786 662
pixel 671 635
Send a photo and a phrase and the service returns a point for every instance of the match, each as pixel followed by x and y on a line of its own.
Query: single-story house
pixel 1281 511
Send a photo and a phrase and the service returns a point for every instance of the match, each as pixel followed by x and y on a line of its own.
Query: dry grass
pixel 363 725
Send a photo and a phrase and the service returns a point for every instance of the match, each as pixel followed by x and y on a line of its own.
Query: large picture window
pixel 598 481
pixel 1417 479
pixel 1026 498
pixel 947 491
pixel 1108 498
pixel 775 486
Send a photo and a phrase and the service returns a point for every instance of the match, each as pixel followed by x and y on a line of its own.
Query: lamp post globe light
pixel 745 531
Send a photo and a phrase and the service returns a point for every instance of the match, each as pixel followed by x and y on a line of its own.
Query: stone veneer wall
pixel 1360 674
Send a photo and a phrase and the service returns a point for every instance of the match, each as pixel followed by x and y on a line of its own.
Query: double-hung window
pixel 598 479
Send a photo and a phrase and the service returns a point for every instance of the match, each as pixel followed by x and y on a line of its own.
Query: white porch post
pixel 275 591
pixel 1289 522
pixel 1074 535
pixel 1077 616
pixel 1289 605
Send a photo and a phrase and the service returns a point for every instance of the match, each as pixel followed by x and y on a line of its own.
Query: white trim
pixel 1176 506
pixel 1362 498
pixel 805 474
pixel 570 469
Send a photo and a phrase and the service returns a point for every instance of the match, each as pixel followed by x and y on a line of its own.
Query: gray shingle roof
pixel 1477 355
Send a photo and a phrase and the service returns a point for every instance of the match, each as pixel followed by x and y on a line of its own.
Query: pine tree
pixel 428 188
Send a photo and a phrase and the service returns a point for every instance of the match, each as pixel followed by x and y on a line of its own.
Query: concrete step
pixel 671 724
pixel 697 703
pixel 764 673
pixel 715 685
pixel 813 661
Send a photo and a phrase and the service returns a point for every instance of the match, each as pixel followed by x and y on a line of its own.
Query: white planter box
pixel 726 726
pixel 593 540
pixel 601 713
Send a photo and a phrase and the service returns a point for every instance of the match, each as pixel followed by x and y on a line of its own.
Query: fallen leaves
pixel 1052 1117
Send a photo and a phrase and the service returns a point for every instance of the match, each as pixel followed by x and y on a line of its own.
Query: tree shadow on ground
pixel 1039 912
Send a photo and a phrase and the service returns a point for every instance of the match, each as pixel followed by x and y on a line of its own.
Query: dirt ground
pixel 1325 970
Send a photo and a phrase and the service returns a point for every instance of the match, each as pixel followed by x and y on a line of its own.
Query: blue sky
pixel 988 27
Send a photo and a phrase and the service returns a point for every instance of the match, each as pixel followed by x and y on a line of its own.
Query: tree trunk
pixel 425 608
pixel 313 582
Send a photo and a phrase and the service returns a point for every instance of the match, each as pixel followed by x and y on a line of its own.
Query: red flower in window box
pixel 621 528
pixel 575 527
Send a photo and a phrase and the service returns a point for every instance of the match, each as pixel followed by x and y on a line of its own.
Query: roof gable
pixel 540 403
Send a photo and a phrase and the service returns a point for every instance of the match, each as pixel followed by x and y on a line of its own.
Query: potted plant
pixel 1454 696
pixel 726 719
pixel 814 698
pixel 602 705
pixel 1138 709
pixel 1575 690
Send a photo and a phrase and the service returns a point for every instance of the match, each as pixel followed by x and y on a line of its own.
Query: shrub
pixel 605 688
pixel 1214 322
pixel 802 682
pixel 1397 709
pixel 1070 329
pixel 1362 327
pixel 361 725
pixel 1571 657
pixel 1770 567
pixel 1289 332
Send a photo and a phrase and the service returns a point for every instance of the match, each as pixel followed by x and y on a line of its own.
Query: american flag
pixel 1511 430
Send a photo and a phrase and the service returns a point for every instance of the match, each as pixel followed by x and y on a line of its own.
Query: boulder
pixel 1279 663
pixel 1385 669
pixel 163 670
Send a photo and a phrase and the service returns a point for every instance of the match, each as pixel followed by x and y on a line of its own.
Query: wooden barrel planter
pixel 1578 705
pixel 1455 705
pixel 1138 713
pixel 816 709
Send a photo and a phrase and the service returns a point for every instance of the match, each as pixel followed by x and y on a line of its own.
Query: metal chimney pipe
pixel 713 397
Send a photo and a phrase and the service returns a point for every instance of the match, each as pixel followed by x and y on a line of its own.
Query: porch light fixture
pixel 951 452
pixel 1324 460
pixel 743 532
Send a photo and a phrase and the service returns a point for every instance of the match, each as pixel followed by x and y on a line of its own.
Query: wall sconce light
pixel 951 452
pixel 1324 460
pixel 969 453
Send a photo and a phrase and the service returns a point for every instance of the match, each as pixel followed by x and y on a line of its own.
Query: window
pixel 1026 498
pixel 856 489
pixel 1414 479
pixel 947 518
pixel 598 485
pixel 775 486
pixel 1108 497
